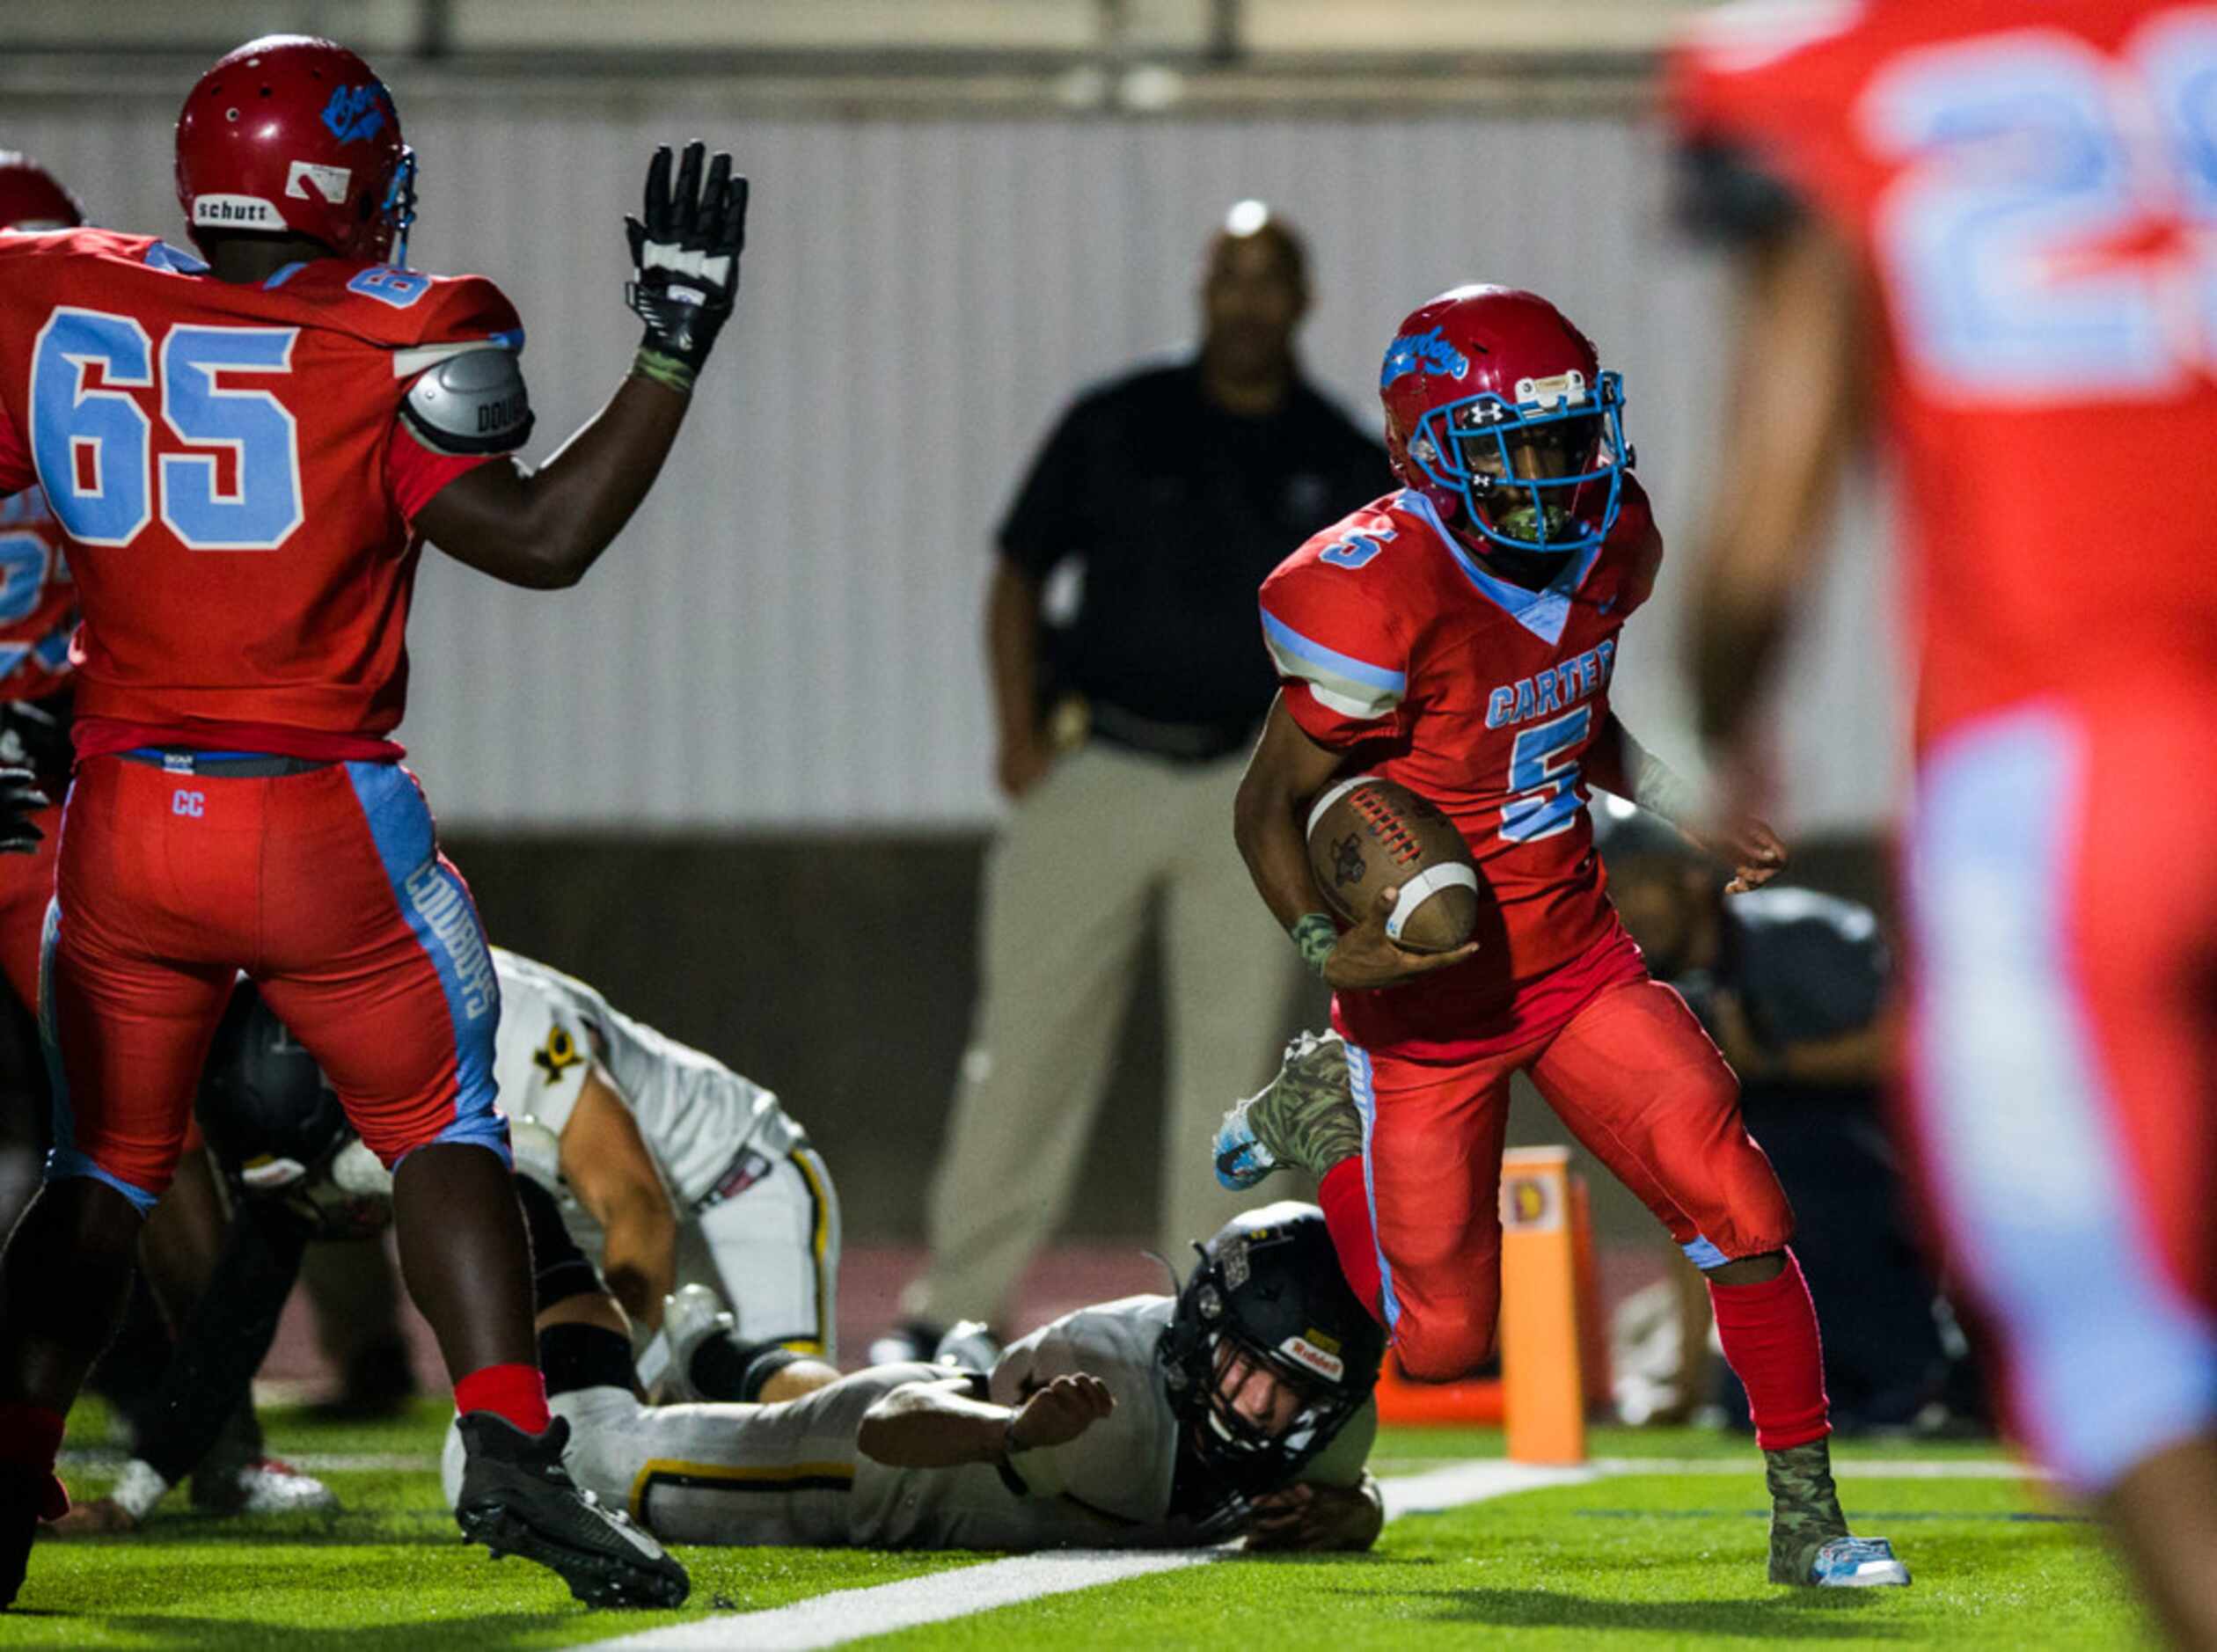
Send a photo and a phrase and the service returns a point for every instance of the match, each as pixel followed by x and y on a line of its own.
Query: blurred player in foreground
pixel 1241 1404
pixel 1983 231
pixel 247 454
pixel 1459 636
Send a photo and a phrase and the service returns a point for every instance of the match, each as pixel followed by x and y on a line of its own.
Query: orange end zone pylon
pixel 1554 1347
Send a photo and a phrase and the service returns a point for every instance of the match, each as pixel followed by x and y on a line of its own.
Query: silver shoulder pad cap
pixel 473 402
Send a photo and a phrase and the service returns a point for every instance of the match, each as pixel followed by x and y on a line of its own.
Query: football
pixel 1366 834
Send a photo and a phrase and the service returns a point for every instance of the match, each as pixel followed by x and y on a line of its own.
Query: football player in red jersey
pixel 246 455
pixel 38 617
pixel 1459 636
pixel 1982 231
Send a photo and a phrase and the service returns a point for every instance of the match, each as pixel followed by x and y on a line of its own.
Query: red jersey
pixel 1394 644
pixel 38 600
pixel 226 464
pixel 2031 193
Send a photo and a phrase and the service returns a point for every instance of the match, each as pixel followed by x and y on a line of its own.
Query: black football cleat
pixel 25 1498
pixel 518 1499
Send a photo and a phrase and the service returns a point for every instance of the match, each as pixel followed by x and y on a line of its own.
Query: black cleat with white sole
pixel 518 1499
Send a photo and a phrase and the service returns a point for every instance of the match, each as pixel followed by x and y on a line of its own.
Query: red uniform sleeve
pixel 1758 96
pixel 414 473
pixel 454 310
pixel 464 309
pixel 1342 663
pixel 16 473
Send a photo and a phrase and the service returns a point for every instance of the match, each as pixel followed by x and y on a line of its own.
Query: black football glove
pixel 19 798
pixel 687 257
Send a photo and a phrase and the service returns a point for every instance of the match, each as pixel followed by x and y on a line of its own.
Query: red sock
pixel 515 1392
pixel 1347 1214
pixel 30 1440
pixel 1769 1333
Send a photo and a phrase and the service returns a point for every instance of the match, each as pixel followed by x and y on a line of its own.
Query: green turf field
pixel 1671 1557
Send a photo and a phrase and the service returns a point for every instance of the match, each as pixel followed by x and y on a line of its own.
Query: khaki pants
pixel 1067 897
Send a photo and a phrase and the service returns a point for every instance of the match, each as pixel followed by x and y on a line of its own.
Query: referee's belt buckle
pixel 746 1170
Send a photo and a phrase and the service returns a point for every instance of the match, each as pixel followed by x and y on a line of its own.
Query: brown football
pixel 1365 833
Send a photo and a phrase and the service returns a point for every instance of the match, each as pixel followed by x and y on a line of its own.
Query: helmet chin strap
pixel 400 207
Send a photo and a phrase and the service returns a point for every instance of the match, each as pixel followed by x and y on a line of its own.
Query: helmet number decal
pixel 1544 783
pixel 93 443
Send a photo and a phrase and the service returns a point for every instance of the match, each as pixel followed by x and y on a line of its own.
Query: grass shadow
pixel 1828 1614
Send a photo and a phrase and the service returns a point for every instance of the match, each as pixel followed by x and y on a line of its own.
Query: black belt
pixel 222 765
pixel 1184 743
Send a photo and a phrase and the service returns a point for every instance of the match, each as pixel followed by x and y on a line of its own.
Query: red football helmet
pixel 1498 414
pixel 32 198
pixel 290 134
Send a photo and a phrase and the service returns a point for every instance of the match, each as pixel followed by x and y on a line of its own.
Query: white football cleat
pixel 272 1486
pixel 1858 1563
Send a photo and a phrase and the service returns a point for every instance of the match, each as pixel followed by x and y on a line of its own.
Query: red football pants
pixel 1639 1083
pixel 2063 1067
pixel 328 889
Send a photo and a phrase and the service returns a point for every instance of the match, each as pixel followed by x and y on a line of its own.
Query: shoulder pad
pixel 473 401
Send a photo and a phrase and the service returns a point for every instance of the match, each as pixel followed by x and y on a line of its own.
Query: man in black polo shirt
pixel 1161 501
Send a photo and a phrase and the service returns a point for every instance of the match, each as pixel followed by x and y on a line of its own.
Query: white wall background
pixel 789 634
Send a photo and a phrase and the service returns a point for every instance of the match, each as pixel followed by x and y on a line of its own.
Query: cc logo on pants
pixel 192 803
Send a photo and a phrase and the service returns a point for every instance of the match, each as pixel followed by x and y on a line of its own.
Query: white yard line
pixel 850 1614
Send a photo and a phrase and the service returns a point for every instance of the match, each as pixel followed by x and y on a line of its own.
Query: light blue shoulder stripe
pixel 1291 642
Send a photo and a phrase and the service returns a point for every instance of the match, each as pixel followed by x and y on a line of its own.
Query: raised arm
pixel 1618 763
pixel 1795 416
pixel 544 528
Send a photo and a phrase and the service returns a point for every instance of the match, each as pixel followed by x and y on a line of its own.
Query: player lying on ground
pixel 1981 233
pixel 238 802
pixel 1242 1404
pixel 297 1172
pixel 1459 636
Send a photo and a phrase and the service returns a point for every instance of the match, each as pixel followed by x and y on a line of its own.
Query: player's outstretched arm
pixel 939 1425
pixel 1617 763
pixel 1796 415
pixel 544 528
pixel 1286 771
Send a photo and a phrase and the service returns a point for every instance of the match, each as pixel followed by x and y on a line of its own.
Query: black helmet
pixel 277 1126
pixel 1269 1286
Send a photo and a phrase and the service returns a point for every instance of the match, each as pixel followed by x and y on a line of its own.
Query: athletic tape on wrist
pixel 1315 935
pixel 665 370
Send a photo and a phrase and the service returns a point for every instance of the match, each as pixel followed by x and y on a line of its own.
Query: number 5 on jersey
pixel 1543 783
pixel 93 444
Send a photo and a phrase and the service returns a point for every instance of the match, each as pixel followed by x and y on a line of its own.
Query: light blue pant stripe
pixel 1358 1072
pixel 2109 1361
pixel 439 909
